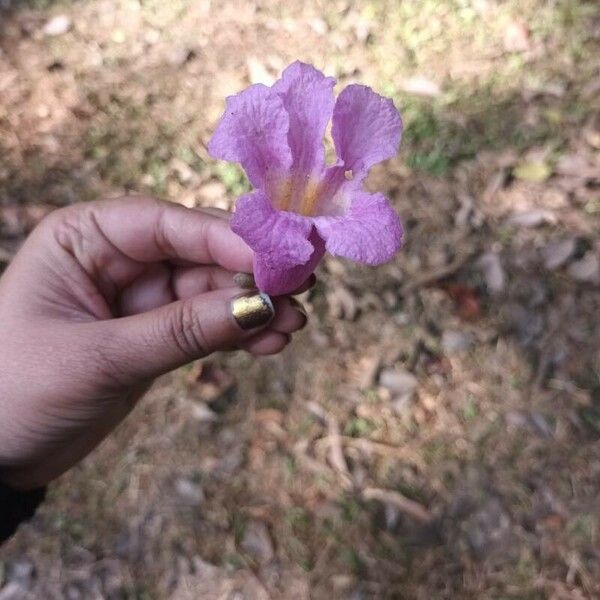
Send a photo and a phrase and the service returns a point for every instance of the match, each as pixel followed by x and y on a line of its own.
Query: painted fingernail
pixel 251 312
pixel 299 307
pixel 245 281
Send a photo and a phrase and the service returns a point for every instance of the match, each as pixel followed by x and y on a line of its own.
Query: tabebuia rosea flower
pixel 302 207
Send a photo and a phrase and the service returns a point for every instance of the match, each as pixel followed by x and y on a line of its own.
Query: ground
pixel 435 431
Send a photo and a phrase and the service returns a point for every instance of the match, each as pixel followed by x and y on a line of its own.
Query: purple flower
pixel 301 207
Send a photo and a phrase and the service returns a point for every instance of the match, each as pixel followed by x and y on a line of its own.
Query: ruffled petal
pixel 277 281
pixel 307 96
pixel 331 201
pixel 254 132
pixel 366 128
pixel 370 232
pixel 281 238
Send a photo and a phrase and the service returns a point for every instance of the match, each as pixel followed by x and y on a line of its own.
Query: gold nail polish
pixel 251 312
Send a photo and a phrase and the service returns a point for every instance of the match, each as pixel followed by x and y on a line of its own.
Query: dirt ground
pixel 434 433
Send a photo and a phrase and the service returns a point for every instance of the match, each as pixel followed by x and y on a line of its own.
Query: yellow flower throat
pixel 305 203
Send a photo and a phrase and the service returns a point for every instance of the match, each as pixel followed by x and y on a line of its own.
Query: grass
pixel 483 109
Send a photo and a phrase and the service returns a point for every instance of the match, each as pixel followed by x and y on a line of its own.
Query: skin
pixel 102 298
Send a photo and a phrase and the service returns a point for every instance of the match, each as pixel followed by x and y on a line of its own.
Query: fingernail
pixel 251 312
pixel 244 280
pixel 299 307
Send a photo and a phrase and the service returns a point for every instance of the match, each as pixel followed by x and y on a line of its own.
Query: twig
pixel 336 453
pixel 402 503
pixel 434 275
pixel 370 447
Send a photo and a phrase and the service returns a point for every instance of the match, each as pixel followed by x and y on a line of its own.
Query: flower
pixel 301 207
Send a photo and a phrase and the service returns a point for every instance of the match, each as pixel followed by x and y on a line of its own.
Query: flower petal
pixel 366 128
pixel 307 96
pixel 280 238
pixel 253 131
pixel 370 232
pixel 277 281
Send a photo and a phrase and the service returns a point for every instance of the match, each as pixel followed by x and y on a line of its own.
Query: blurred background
pixel 435 431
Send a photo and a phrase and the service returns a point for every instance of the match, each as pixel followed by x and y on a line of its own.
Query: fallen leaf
pixel 517 37
pixel 532 171
pixel 367 371
pixel 215 382
pixel 577 165
pixel 465 298
pixel 342 304
pixel 18 220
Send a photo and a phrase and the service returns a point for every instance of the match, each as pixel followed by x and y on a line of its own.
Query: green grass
pixel 486 109
pixel 233 178
pixel 358 427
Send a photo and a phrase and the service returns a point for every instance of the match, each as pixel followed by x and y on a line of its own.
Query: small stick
pixel 402 503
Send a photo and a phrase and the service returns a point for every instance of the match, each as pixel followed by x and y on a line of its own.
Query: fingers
pixel 149 344
pixel 149 291
pixel 290 315
pixel 148 230
pixel 266 343
pixel 160 285
pixel 192 281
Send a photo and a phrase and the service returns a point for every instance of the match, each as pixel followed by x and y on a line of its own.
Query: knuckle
pixel 186 330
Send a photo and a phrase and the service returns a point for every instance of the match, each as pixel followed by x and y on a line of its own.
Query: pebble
pixel 189 491
pixel 13 591
pixel 532 218
pixel 493 272
pixel 587 269
pixel 57 25
pixel 22 572
pixel 398 382
pixel 456 341
pixel 558 252
pixel 257 542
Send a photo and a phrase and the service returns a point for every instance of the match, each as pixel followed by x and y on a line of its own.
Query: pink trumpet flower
pixel 301 207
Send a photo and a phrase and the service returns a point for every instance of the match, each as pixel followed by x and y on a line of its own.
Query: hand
pixel 104 297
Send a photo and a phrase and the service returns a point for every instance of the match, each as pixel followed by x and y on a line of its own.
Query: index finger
pixel 150 230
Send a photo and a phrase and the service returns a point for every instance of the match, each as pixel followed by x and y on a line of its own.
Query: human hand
pixel 102 298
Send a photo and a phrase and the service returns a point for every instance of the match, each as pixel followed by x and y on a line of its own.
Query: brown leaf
pixel 466 299
pixel 517 37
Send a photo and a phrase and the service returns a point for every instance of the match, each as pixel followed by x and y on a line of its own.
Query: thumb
pixel 168 337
